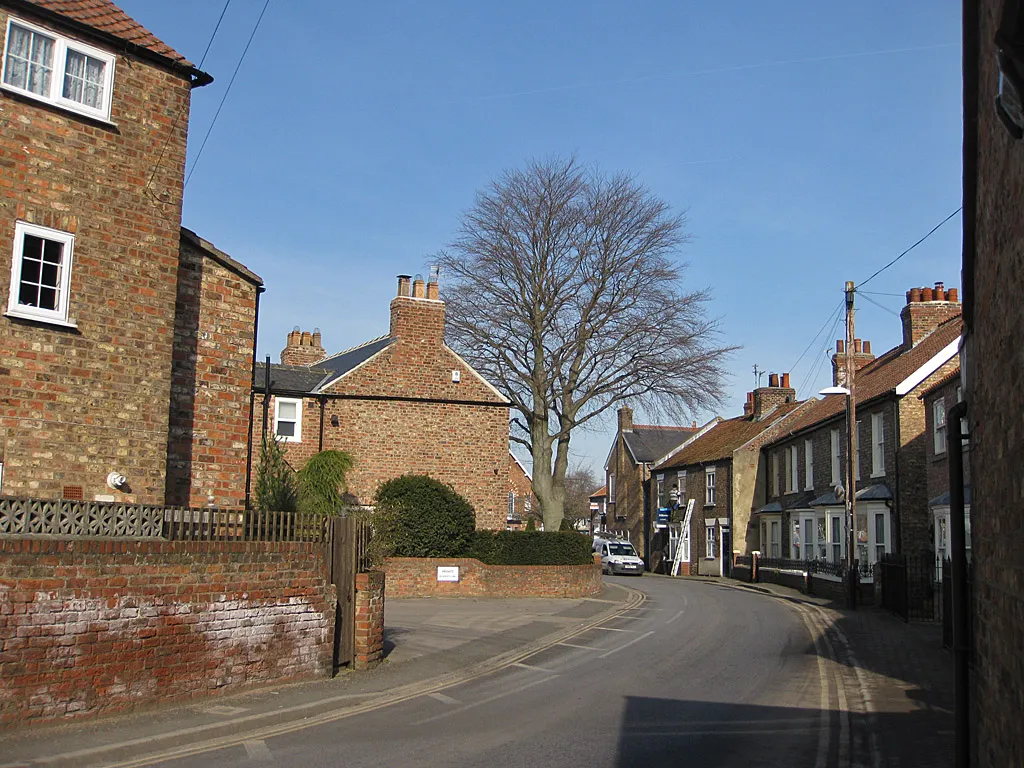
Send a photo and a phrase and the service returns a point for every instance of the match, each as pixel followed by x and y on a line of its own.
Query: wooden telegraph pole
pixel 851 451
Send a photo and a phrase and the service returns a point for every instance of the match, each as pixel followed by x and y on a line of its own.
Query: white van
pixel 618 556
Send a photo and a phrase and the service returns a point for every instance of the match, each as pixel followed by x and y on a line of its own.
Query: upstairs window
pixel 834 446
pixel 877 445
pixel 939 413
pixel 709 487
pixel 45 66
pixel 40 274
pixel 808 465
pixel 288 420
pixel 792 482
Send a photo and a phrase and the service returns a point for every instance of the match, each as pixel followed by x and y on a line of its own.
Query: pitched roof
pixel 880 377
pixel 219 256
pixel 344 362
pixel 600 492
pixel 105 17
pixel 726 436
pixel 650 443
pixel 290 378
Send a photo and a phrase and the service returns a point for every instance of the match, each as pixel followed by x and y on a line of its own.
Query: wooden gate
pixel 342 566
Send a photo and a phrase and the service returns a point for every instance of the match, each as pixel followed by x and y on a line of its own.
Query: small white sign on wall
pixel 447 573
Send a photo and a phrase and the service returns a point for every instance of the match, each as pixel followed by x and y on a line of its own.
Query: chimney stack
pixel 417 321
pixel 926 310
pixel 861 357
pixel 625 419
pixel 303 348
pixel 748 407
pixel 765 399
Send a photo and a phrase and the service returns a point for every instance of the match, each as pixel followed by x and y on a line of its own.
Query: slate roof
pixel 343 362
pixel 943 500
pixel 879 492
pixel 104 16
pixel 726 436
pixel 879 377
pixel 290 378
pixel 648 443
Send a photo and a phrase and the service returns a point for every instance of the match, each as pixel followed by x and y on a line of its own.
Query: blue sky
pixel 809 143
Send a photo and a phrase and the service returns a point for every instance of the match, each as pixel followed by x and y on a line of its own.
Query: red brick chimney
pixel 861 357
pixel 926 310
pixel 625 419
pixel 417 318
pixel 303 348
pixel 764 399
pixel 748 407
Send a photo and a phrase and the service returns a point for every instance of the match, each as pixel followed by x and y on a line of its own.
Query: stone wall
pixel 417 577
pixel 91 626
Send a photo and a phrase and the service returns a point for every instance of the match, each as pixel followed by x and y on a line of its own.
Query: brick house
pixel 804 517
pixel 993 368
pixel 403 403
pixel 126 340
pixel 938 399
pixel 635 448
pixel 721 472
pixel 599 509
pixel 521 502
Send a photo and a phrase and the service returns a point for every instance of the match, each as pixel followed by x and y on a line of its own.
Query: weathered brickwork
pixel 417 577
pixel 95 626
pixel 369 607
pixel 212 373
pixel 995 368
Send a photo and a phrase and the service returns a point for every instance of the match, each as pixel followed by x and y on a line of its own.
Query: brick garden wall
pixel 417 577
pixel 94 626
pixel 78 403
pixel 369 618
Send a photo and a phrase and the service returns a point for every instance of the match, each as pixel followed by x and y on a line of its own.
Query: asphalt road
pixel 699 674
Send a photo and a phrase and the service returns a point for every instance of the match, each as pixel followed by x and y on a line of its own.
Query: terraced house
pixel 804 517
pixel 125 340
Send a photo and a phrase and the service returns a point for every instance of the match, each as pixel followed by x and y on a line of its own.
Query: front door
pixel 726 551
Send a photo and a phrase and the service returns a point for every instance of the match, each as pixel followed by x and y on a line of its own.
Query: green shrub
pixel 322 481
pixel 531 525
pixel 277 489
pixel 531 548
pixel 417 516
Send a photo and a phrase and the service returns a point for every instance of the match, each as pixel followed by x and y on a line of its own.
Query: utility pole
pixel 851 451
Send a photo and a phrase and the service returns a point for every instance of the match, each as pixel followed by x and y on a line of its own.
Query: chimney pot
pixel 867 347
pixel 785 380
pixel 926 294
pixel 953 295
pixel 750 397
pixel 840 346
pixel 773 379
pixel 403 285
pixel 418 288
pixel 307 339
pixel 432 291
pixel 915 295
pixel 857 346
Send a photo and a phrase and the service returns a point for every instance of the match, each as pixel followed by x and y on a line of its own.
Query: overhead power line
pixel 878 304
pixel 821 330
pixel 226 92
pixel 930 233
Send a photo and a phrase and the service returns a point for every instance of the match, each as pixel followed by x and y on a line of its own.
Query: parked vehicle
pixel 618 556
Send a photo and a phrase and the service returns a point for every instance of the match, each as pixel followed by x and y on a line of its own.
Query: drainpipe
pixel 958 557
pixel 252 398
pixel 323 405
pixel 266 398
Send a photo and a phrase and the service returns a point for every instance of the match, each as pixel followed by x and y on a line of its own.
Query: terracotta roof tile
pixel 104 16
pixel 881 375
pixel 720 441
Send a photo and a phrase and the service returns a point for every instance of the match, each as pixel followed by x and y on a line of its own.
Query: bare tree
pixel 562 290
pixel 580 482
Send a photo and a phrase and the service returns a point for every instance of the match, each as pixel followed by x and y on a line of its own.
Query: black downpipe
pixel 266 399
pixel 252 399
pixel 961 615
pixel 323 404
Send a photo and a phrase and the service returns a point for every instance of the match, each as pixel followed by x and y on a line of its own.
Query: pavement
pixel 430 644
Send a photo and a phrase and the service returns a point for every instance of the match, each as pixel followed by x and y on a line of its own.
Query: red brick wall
pixel 95 626
pixel 76 404
pixel 369 618
pixel 521 485
pixel 209 423
pixel 417 577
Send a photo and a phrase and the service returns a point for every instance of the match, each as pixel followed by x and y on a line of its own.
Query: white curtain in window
pixel 29 60
pixel 83 79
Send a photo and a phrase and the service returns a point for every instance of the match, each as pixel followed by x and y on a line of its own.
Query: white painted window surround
pixel 41 274
pixel 709 486
pixel 939 428
pixel 834 444
pixel 808 465
pixel 288 419
pixel 40 64
pixel 877 445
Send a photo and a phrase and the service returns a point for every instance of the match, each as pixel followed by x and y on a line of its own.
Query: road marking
pixel 669 621
pixel 225 711
pixel 581 647
pixel 258 750
pixel 621 647
pixel 443 699
pixel 821 759
pixel 613 629
pixel 488 700
pixel 530 666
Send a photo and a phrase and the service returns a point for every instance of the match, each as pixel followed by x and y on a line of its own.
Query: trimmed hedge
pixel 418 516
pixel 531 548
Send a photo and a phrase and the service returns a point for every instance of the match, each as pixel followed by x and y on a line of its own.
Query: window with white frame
pixel 41 273
pixel 774 542
pixel 511 505
pixel 963 422
pixel 611 487
pixel 681 479
pixel 709 485
pixel 881 535
pixel 877 445
pixel 794 539
pixel 58 70
pixel 661 491
pixel 939 421
pixel 711 541
pixel 808 465
pixel 836 537
pixel 834 446
pixel 792 484
pixel 288 420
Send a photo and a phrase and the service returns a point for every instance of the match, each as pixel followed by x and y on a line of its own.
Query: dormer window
pixel 45 66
